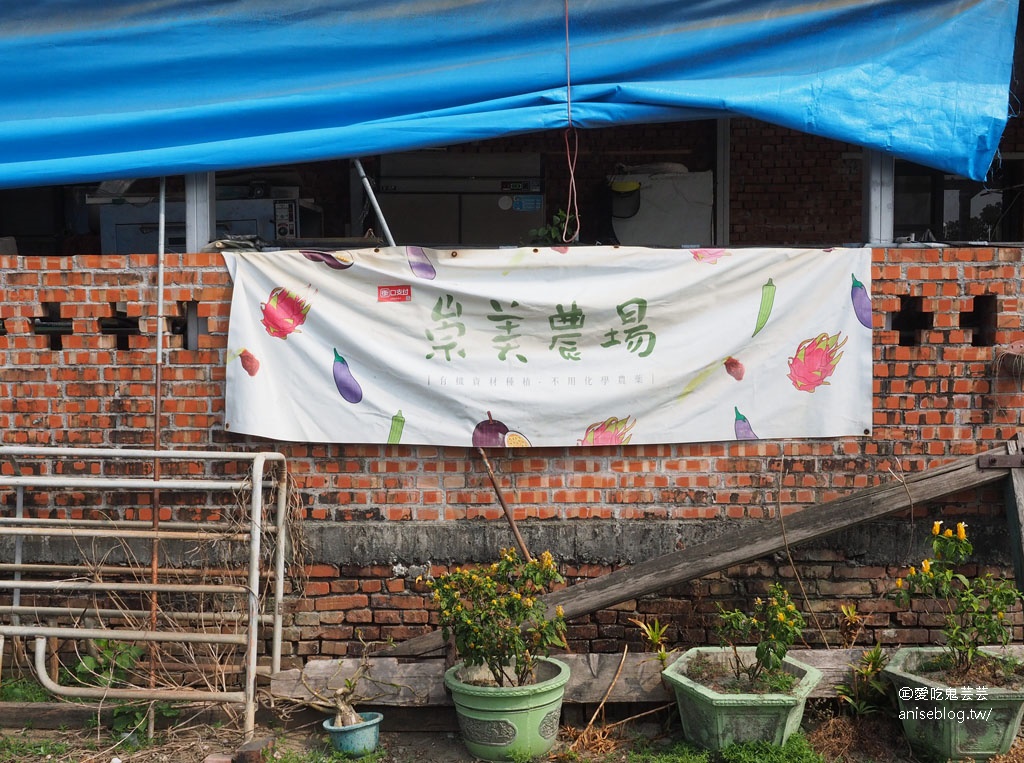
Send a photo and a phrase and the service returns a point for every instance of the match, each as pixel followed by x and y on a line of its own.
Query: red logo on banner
pixel 394 293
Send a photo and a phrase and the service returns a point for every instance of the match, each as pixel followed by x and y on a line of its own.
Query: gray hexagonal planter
pixel 714 720
pixel 940 723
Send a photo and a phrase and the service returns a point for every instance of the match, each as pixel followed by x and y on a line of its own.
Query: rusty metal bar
pixel 86 532
pixel 104 585
pixel 206 617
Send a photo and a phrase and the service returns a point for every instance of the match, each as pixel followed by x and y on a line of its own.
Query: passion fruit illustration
pixel 516 440
pixel 489 433
pixel 492 433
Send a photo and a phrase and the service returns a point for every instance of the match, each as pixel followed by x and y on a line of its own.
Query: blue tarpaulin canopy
pixel 140 88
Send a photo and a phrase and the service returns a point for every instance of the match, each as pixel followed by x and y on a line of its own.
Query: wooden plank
pixel 1015 514
pixel 591 678
pixel 395 682
pixel 70 714
pixel 591 675
pixel 747 543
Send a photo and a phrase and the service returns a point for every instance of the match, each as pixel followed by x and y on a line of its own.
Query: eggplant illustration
pixel 861 302
pixel 333 260
pixel 742 427
pixel 345 381
pixel 420 264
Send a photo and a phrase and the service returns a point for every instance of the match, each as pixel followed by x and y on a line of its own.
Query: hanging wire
pixel 572 212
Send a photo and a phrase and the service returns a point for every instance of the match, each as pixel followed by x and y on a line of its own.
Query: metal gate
pixel 50 486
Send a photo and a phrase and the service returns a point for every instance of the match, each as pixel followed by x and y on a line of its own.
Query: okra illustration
pixel 345 381
pixel 397 426
pixel 767 301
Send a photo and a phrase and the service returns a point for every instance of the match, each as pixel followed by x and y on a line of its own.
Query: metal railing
pixel 91 578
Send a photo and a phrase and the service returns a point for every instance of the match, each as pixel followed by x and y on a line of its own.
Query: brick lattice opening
pixel 911 320
pixel 120 325
pixel 51 325
pixel 981 320
pixel 189 325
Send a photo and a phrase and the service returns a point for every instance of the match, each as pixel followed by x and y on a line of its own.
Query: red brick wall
pixel 936 398
pixel 788 188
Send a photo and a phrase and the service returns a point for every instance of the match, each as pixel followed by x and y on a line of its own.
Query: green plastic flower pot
pixel 945 722
pixel 502 722
pixel 356 740
pixel 715 720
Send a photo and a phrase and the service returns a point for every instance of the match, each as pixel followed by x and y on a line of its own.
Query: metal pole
pixel 256 523
pixel 508 512
pixel 154 553
pixel 373 202
pixel 19 514
pixel 282 550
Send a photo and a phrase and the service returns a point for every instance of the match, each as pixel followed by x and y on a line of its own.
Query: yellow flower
pixel 781 617
pixel 913 571
pixel 899 582
pixel 961 531
pixel 758 601
pixel 949 532
pixel 791 607
pixel 926 566
pixel 937 527
pixel 559 612
pixel 1000 615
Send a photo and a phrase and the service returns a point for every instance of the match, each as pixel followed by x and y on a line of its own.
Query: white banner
pixel 549 346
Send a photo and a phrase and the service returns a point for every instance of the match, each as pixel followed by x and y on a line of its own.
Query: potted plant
pixel 733 694
pixel 507 691
pixel 965 698
pixel 353 733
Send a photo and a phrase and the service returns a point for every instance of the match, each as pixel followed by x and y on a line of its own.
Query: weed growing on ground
pixel 795 750
pixel 21 689
pixel 325 755
pixel 677 753
pixel 17 748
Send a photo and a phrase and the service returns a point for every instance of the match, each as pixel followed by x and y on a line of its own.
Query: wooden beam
pixel 1015 514
pixel 420 683
pixel 747 543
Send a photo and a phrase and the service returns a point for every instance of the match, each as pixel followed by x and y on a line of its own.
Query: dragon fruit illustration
pixel 815 360
pixel 283 312
pixel 710 256
pixel 611 431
